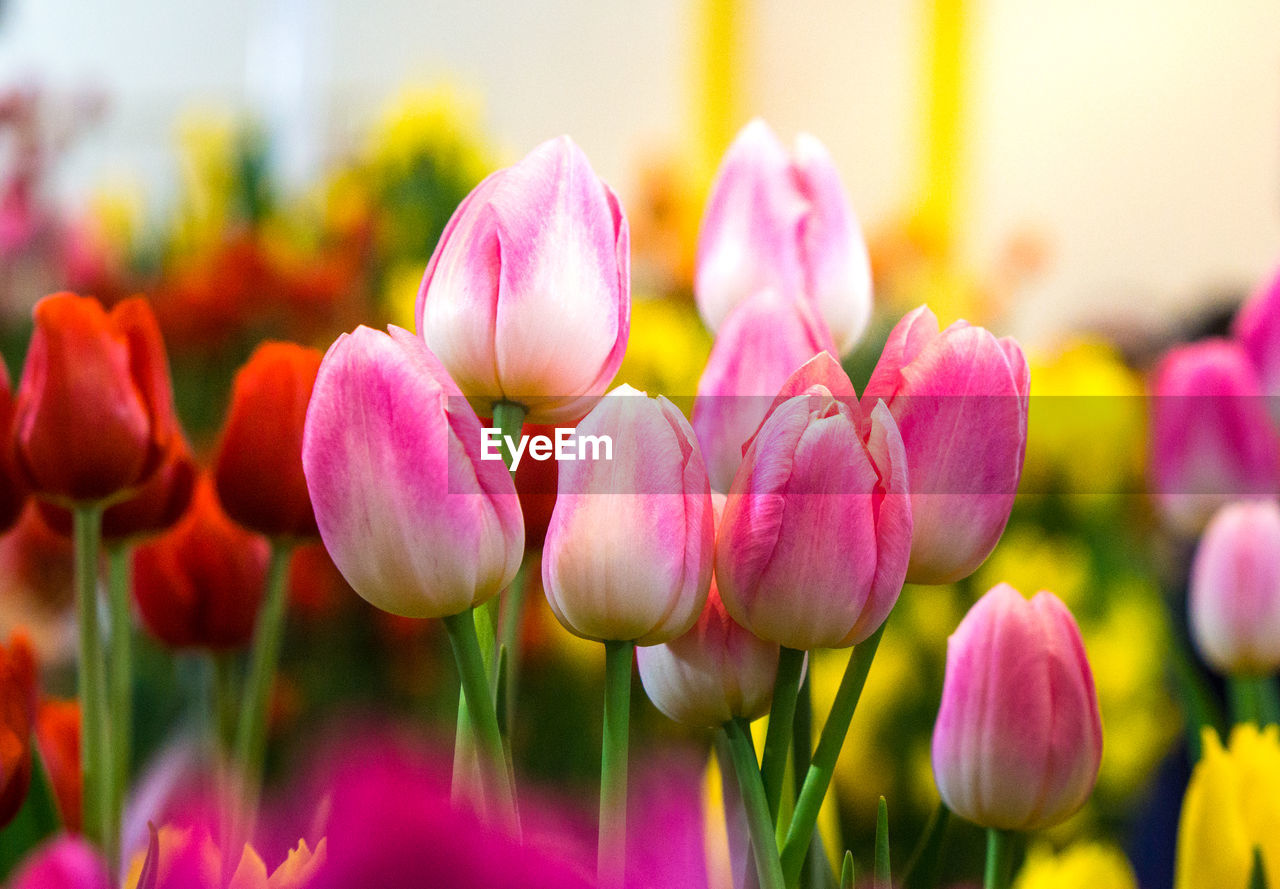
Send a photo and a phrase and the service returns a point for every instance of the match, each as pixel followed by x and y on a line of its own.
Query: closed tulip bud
pixel 258 470
pixel 1211 438
pixel 1257 329
pixel 1235 590
pixel 715 672
pixel 17 718
pixel 813 546
pixel 415 520
pixel 783 223
pixel 527 297
pixel 200 584
pixel 628 554
pixel 960 398
pixel 12 492
pixel 763 341
pixel 93 415
pixel 1018 740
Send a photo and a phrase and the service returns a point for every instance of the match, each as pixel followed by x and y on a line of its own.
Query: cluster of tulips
pixel 786 517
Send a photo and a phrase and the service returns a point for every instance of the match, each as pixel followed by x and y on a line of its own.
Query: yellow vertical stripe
pixel 941 196
pixel 718 85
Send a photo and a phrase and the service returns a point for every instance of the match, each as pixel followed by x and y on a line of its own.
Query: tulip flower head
pixel 17 718
pixel 527 298
pixel 1212 441
pixel 628 554
pixel 1235 589
pixel 1257 330
pixel 66 862
pixel 12 492
pixel 763 341
pixel 715 672
pixel 783 223
pixel 258 470
pixel 1018 740
pixel 960 399
pixel 58 728
pixel 816 533
pixel 416 522
pixel 93 417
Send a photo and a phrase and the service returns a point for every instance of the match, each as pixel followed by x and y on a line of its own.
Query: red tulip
pixel 12 493
pixel 200 584
pixel 94 416
pixel 58 737
pixel 258 470
pixel 17 712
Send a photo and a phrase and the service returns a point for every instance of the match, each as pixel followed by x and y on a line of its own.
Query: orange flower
pixel 12 494
pixel 94 415
pixel 258 470
pixel 17 711
pixel 58 738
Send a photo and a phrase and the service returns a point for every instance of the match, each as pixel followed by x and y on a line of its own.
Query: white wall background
pixel 1142 135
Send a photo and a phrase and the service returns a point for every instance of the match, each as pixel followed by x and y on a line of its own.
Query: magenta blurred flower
pixel 783 223
pixel 763 341
pixel 417 523
pixel 65 862
pixel 1235 589
pixel 1018 740
pixel 1257 329
pixel 713 673
pixel 527 297
pixel 816 534
pixel 1211 438
pixel 629 551
pixel 960 398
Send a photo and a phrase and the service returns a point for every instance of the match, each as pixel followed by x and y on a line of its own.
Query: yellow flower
pixel 1084 864
pixel 1232 806
pixel 436 122
pixel 667 349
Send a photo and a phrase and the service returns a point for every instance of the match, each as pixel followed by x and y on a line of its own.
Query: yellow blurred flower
pixel 209 143
pixel 1029 559
pixel 667 349
pixel 1091 865
pixel 1232 806
pixel 437 122
pixel 301 864
pixel 400 292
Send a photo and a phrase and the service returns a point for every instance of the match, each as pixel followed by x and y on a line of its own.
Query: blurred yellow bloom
pixel 297 870
pixel 1029 559
pixel 1232 806
pixel 209 142
pixel 437 122
pixel 1091 865
pixel 667 349
pixel 400 292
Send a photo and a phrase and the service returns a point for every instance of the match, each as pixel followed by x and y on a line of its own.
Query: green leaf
pixel 35 822
pixel 504 682
pixel 924 870
pixel 1258 876
pixel 846 871
pixel 884 877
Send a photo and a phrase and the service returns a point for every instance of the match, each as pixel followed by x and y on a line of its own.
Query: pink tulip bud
pixel 763 341
pixel 1211 439
pixel 715 672
pixel 527 297
pixel 628 554
pixel 783 223
pixel 1018 740
pixel 1235 589
pixel 960 397
pixel 416 522
pixel 1257 329
pixel 817 526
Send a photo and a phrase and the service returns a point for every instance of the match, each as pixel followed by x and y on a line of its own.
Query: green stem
pixel 759 821
pixel 99 824
pixel 225 696
pixel 120 675
pixel 612 849
pixel 999 859
pixel 777 740
pixel 1246 694
pixel 251 740
pixel 823 765
pixel 475 691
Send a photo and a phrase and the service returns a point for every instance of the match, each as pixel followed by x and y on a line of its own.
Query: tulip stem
pixel 777 740
pixel 999 859
pixel 612 849
pixel 759 819
pixel 120 676
pixel 479 708
pixel 1252 700
pixel 823 764
pixel 251 740
pixel 98 821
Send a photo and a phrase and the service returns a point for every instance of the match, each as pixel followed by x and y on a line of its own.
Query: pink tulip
pixel 416 522
pixel 783 223
pixel 1211 439
pixel 66 862
pixel 629 550
pixel 960 398
pixel 1235 589
pixel 816 534
pixel 527 297
pixel 763 341
pixel 715 672
pixel 1018 740
pixel 1257 329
